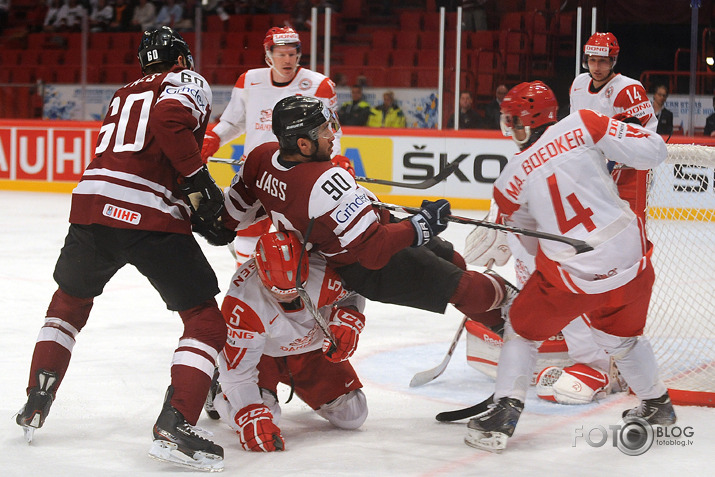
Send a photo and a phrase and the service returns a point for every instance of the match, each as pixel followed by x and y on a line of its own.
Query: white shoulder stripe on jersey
pixel 357 229
pixel 125 176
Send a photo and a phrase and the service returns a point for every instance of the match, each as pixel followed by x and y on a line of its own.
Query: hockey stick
pixel 425 184
pixel 306 298
pixel 459 414
pixel 424 377
pixel 579 245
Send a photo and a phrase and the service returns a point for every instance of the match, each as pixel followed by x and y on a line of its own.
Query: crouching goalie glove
pixel 257 432
pixel 483 245
pixel 346 325
pixel 204 196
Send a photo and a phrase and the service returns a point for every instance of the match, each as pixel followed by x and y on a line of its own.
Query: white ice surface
pixel 100 424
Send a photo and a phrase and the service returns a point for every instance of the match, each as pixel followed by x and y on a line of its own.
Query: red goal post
pixel 681 224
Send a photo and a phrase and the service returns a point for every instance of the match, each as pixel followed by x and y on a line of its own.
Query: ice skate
pixel 178 442
pixel 657 411
pixel 214 390
pixel 491 429
pixel 33 414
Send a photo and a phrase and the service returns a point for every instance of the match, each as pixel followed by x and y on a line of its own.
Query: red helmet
pixel 601 44
pixel 277 255
pixel 280 36
pixel 534 103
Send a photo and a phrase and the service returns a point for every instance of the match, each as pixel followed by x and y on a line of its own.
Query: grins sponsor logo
pixel 188 90
pixel 119 213
pixel 351 209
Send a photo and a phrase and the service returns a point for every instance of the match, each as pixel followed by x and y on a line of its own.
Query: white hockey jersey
pixel 620 95
pixel 258 325
pixel 560 185
pixel 253 97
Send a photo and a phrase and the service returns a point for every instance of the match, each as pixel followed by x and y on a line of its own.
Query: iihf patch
pixel 120 213
pixel 305 84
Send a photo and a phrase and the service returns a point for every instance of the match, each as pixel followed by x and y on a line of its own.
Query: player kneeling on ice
pixel 273 338
pixel 559 183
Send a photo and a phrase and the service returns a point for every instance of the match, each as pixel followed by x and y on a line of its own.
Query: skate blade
pixel 28 433
pixel 489 441
pixel 169 452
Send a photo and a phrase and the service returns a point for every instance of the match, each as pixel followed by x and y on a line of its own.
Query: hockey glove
pixel 211 144
pixel 205 197
pixel 214 232
pixel 430 221
pixel 483 245
pixel 344 162
pixel 257 431
pixel 626 118
pixel 346 325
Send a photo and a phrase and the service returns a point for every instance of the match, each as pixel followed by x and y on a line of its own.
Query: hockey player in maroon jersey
pixel 254 95
pixel 559 183
pixel 273 338
pixel 134 205
pixel 399 262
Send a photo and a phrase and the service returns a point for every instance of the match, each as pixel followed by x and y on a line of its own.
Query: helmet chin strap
pixel 521 143
pixel 280 74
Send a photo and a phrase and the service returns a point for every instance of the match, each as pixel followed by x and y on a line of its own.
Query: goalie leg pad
pixel 580 384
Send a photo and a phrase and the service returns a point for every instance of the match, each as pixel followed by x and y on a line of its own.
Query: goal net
pixel 681 317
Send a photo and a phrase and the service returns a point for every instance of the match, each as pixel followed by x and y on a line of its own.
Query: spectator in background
pixel 169 14
pixel 388 114
pixel 493 109
pixel 355 112
pixel 4 14
pixel 662 114
pixel 101 16
pixel 35 19
pixel 187 16
pixel 51 16
pixel 300 16
pixel 474 16
pixel 340 79
pixel 468 117
pixel 144 16
pixel 122 16
pixel 69 16
pixel 710 122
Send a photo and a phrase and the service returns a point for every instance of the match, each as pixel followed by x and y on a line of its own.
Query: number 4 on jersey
pixel 582 215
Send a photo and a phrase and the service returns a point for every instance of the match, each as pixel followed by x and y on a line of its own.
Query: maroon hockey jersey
pixel 150 137
pixel 347 227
